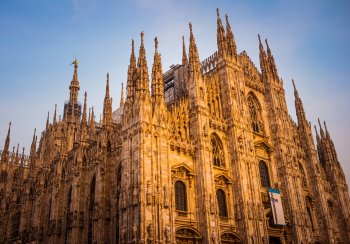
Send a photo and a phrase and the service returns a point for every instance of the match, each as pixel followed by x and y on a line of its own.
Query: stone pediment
pixel 222 179
pixel 184 169
pixel 264 144
pixel 263 149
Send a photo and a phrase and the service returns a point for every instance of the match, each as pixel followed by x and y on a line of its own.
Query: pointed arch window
pixel 217 152
pixel 221 198
pixel 255 114
pixel 180 196
pixel 264 174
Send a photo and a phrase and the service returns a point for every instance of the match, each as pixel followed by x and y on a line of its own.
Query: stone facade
pixel 190 161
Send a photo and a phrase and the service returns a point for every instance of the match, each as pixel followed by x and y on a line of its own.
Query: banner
pixel 276 207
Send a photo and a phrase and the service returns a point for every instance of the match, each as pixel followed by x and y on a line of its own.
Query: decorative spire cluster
pixel 225 41
pixel 267 61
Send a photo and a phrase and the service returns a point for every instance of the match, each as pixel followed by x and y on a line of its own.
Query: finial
pixel 85 95
pixel 142 34
pixel 156 43
pixel 319 122
pixel 259 38
pixel 217 12
pixel 190 24
pixel 132 45
pixel 226 17
pixel 76 62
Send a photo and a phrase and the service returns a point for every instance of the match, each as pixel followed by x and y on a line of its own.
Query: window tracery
pixel 255 114
pixel 217 152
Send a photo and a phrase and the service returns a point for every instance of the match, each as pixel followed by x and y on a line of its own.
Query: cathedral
pixel 206 153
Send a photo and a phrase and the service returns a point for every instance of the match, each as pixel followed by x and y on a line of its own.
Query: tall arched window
pixel 217 152
pixel 302 175
pixel 264 174
pixel 221 198
pixel 180 196
pixel 255 114
pixel 91 209
pixel 69 217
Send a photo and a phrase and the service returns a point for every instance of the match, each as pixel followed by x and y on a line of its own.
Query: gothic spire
pixel 299 108
pixel 271 59
pixel 92 121
pixel 5 152
pixel 130 86
pixel 327 133
pixel 231 44
pixel 122 96
pixel 32 155
pixel 84 120
pixel 221 37
pixel 184 55
pixel 74 85
pixel 321 130
pixel 107 106
pixel 317 136
pixel 47 120
pixel 262 57
pixel 157 76
pixel 142 85
pixel 194 64
pixel 54 116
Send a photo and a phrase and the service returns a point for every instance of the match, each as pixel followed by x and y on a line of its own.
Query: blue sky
pixel 310 40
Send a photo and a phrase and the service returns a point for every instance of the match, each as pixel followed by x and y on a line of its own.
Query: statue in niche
pixel 166 198
pixel 134 233
pixel 212 204
pixel 123 236
pixel 149 194
pixel 150 233
pixel 135 194
pixel 167 234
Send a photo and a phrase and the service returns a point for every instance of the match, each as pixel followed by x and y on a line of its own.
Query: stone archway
pixel 187 236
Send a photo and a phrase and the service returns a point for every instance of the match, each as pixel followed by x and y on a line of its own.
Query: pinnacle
pixel 184 55
pixel 156 44
pixel 142 35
